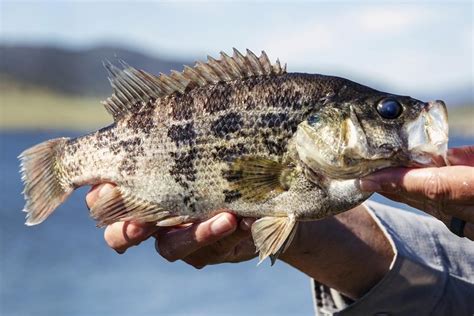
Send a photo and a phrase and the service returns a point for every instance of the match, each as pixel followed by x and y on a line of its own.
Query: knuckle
pixel 198 266
pixel 195 263
pixel 166 252
pixel 168 256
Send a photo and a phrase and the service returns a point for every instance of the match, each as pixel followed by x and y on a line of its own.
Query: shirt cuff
pixel 416 279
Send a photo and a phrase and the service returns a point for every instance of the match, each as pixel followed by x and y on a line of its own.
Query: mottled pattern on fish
pixel 238 133
pixel 182 144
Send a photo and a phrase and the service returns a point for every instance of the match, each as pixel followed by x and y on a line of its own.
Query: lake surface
pixel 64 267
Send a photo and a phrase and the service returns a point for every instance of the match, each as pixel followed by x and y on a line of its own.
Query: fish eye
pixel 313 120
pixel 389 108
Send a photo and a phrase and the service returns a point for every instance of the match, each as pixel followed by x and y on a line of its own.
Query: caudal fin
pixel 45 185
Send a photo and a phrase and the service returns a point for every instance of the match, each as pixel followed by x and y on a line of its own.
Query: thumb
pixel 453 183
pixel 386 180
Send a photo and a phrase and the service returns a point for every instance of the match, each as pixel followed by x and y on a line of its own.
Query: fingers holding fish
pixel 96 192
pixel 120 235
pixel 449 189
pixel 176 244
pixel 236 247
pixel 201 244
pixel 444 192
pixel 445 185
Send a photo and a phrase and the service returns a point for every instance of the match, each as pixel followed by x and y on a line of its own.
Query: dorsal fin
pixel 133 88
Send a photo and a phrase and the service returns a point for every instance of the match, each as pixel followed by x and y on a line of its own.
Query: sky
pixel 405 46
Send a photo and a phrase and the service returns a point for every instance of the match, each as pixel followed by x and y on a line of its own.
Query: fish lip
pixel 427 136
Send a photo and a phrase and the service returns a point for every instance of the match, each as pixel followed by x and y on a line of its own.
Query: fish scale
pixel 237 133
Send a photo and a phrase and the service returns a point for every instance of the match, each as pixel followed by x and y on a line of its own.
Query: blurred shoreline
pixel 46 88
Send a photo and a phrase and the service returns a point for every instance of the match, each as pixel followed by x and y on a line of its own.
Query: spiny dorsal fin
pixel 134 88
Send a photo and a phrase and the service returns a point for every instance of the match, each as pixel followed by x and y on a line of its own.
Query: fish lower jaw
pixel 422 159
pixel 346 172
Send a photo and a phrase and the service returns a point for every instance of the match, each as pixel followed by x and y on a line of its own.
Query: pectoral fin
pixel 256 177
pixel 273 235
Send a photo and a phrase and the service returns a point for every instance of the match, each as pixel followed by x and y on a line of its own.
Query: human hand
pixel 222 238
pixel 443 192
pixel 329 250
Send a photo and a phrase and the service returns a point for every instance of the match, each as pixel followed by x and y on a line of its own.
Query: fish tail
pixel 46 185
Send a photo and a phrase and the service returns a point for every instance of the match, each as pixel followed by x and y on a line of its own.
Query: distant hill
pixel 80 72
pixel 73 71
pixel 38 81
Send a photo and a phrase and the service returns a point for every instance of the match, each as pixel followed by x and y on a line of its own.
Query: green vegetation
pixel 461 120
pixel 26 107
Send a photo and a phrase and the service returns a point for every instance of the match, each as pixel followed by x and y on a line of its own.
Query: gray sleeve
pixel 432 272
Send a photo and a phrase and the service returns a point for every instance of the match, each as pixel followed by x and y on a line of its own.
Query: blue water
pixel 63 267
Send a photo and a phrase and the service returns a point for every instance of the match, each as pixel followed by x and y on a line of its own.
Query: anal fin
pixel 118 205
pixel 273 235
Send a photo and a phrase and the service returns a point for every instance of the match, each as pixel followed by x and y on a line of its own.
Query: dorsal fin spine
pixel 265 62
pixel 221 73
pixel 152 88
pixel 179 77
pixel 135 82
pixel 172 84
pixel 120 97
pixel 232 65
pixel 242 62
pixel 207 72
pixel 134 88
pixel 127 85
pixel 195 76
pixel 152 80
pixel 122 93
pixel 118 83
pixel 163 84
pixel 254 62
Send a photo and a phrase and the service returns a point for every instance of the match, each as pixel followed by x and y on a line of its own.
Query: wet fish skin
pixel 240 133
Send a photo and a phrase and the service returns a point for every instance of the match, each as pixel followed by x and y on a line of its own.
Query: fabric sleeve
pixel 432 272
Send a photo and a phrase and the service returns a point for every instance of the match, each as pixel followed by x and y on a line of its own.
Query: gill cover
pixel 326 141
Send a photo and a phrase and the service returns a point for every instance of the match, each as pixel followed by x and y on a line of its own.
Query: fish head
pixel 354 138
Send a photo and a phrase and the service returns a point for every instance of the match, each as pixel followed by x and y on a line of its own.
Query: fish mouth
pixel 427 136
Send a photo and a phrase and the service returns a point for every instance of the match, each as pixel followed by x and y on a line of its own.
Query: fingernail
pixel 104 189
pixel 221 225
pixel 133 232
pixel 368 185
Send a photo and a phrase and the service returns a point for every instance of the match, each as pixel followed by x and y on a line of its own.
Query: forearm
pixel 347 252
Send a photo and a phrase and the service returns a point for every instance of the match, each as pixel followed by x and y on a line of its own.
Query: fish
pixel 239 133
